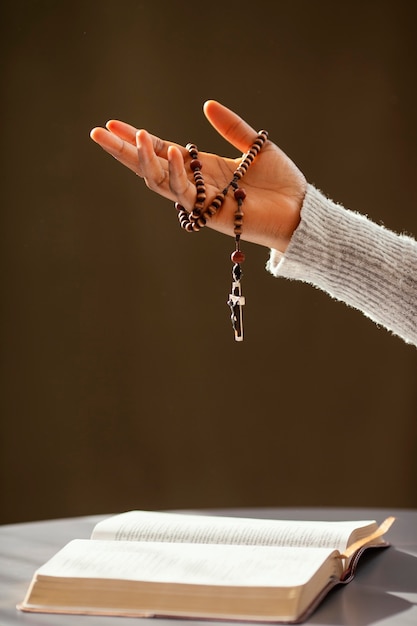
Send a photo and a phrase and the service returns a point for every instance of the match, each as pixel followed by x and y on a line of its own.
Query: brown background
pixel 121 384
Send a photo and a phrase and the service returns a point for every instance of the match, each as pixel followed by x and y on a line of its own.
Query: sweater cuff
pixel 313 230
pixel 354 260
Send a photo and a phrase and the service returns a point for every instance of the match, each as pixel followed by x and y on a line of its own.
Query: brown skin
pixel 274 186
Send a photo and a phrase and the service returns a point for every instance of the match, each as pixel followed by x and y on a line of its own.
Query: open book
pixel 181 565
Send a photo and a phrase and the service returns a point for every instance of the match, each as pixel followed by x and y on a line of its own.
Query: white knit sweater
pixel 354 260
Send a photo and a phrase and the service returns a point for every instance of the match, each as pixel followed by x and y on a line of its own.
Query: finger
pixel 183 191
pixel 166 177
pixel 153 168
pixel 128 133
pixel 230 126
pixel 116 147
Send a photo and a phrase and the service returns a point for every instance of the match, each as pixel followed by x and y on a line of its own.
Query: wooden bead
pixel 209 212
pixel 218 201
pixel 196 164
pixel 239 193
pixel 237 256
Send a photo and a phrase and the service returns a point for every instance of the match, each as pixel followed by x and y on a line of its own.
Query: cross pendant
pixel 236 302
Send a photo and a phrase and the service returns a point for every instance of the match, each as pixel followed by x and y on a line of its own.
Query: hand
pixel 275 187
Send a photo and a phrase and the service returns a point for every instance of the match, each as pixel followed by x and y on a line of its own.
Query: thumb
pixel 229 125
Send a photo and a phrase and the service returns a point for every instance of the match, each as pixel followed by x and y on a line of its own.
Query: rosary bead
pixel 196 164
pixel 210 211
pixel 237 256
pixel 240 193
pixel 218 201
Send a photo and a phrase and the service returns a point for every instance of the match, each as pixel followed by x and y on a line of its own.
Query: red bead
pixel 240 193
pixel 237 256
pixel 196 164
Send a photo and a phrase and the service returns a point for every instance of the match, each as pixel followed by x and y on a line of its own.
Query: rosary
pixel 197 219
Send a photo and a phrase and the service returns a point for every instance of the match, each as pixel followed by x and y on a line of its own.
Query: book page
pixel 184 528
pixel 189 563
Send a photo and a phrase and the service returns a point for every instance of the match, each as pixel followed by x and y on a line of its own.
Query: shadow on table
pixel 372 595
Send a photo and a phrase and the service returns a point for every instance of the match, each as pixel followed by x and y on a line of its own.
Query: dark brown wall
pixel 121 384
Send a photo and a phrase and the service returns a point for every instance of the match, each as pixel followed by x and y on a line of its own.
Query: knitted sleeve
pixel 354 260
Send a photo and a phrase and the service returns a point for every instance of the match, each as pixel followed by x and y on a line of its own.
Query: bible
pixel 160 564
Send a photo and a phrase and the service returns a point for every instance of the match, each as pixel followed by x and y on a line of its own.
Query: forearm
pixel 356 261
